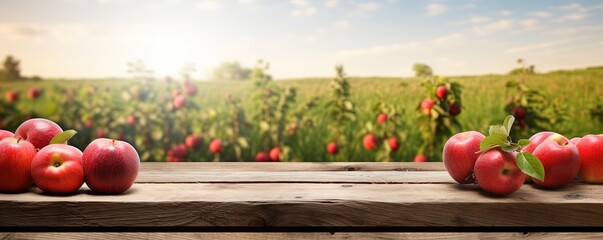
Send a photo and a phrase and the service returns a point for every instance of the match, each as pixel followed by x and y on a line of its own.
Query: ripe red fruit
pixel 393 143
pixel 275 154
pixel 454 109
pixel 57 168
pixel 442 92
pixel 191 90
pixel 420 158
pixel 12 96
pixel 192 141
pixel 179 102
pixel 560 159
pixel 575 140
pixel 175 93
pixel 15 164
pixel 215 146
pixel 88 123
pixel 590 148
pixel 369 141
pixel 4 134
pixel 131 119
pixel 38 131
pixel 496 172
pixel 33 93
pixel 177 153
pixel 519 112
pixel 427 105
pixel 382 118
pixel 262 157
pixel 536 140
pixel 332 148
pixel 100 133
pixel 460 153
pixel 110 166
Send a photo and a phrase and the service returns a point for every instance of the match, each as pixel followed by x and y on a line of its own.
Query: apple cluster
pixel 441 94
pixel 37 153
pixel 499 171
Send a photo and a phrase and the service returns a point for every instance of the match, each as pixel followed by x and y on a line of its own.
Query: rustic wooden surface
pixel 303 236
pixel 290 196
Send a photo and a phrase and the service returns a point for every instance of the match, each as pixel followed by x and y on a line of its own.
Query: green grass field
pixel 483 99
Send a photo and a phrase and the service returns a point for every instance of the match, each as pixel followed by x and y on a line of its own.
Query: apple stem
pixel 112 141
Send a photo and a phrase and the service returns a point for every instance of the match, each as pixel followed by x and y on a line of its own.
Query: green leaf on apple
pixel 523 143
pixel 493 141
pixel 530 165
pixel 498 129
pixel 63 137
pixel 510 148
pixel 508 123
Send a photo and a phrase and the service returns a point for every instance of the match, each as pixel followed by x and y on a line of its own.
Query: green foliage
pixel 422 70
pixel 231 71
pixel 439 125
pixel 340 108
pixel 541 113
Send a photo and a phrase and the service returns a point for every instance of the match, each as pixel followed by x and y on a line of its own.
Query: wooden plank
pixel 371 177
pixel 291 166
pixel 308 205
pixel 301 236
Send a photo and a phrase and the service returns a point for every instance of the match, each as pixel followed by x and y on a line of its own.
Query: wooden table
pixel 300 201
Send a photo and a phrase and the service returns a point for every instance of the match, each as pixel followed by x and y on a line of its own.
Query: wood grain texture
pixel 290 166
pixel 371 177
pixel 300 236
pixel 308 205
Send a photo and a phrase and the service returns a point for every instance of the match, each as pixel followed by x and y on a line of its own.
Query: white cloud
pixel 576 16
pixel 540 46
pixel 303 12
pixel 571 6
pixel 540 14
pixel 208 5
pixel 331 3
pixel 570 31
pixel 494 27
pixel 529 22
pixel 247 1
pixel 365 8
pixel 436 9
pixel 311 39
pixel 444 41
pixel 300 3
pixel 61 32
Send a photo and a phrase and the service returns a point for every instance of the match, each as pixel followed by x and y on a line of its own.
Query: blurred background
pixel 300 80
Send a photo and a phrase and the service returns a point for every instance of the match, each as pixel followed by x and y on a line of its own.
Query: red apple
pixel 100 133
pixel 382 118
pixel 110 166
pixel 57 168
pixel 191 90
pixel 179 102
pixel 575 141
pixel 560 159
pixel 420 158
pixel 215 146
pixel 12 96
pixel 275 154
pixel 131 119
pixel 262 157
pixel 4 134
pixel 369 141
pixel 177 153
pixel 536 140
pixel 393 143
pixel 88 124
pixel 519 112
pixel 460 153
pixel 33 93
pixel 427 105
pixel 496 172
pixel 442 92
pixel 15 164
pixel 454 108
pixel 332 148
pixel 38 131
pixel 590 148
pixel 192 141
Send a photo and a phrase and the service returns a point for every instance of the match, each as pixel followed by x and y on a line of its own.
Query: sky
pixel 299 38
